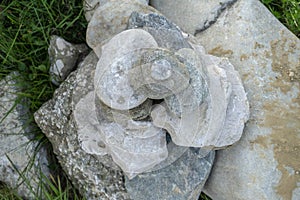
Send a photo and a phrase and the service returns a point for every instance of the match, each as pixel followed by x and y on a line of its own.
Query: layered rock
pixel 265 163
pixel 147 102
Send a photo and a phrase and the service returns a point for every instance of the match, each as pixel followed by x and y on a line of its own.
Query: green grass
pixel 25 29
pixel 287 11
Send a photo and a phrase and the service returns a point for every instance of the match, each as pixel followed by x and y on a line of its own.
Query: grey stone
pixel 265 163
pixel 90 124
pixel 192 16
pixel 18 154
pixel 90 6
pixel 96 176
pixel 111 19
pixel 135 146
pixel 63 58
pixel 183 180
pixel 212 111
pixel 166 33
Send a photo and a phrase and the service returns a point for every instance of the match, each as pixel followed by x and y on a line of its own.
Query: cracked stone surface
pixel 16 149
pixel 265 162
pixel 195 18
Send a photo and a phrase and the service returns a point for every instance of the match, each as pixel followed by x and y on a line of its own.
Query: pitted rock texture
pixel 97 177
pixel 265 162
pixel 63 58
pixel 17 152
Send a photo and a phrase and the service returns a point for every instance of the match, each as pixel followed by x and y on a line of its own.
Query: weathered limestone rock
pixel 213 110
pixel 96 128
pixel 190 172
pixel 17 152
pixel 130 73
pixel 166 34
pixel 192 16
pixel 265 163
pixel 96 176
pixel 63 58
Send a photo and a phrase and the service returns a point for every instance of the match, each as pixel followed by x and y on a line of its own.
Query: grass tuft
pixel 25 30
pixel 286 11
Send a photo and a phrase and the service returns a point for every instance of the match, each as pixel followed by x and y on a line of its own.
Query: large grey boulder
pixel 21 164
pixel 264 164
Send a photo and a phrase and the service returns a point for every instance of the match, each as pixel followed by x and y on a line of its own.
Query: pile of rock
pixel 264 164
pixel 145 110
pixel 147 102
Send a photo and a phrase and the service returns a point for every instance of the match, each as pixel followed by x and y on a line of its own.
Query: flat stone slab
pixel 265 163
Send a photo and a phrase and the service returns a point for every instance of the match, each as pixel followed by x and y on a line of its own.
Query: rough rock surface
pixel 265 162
pixel 70 122
pixel 16 149
pixel 192 16
pixel 97 177
pixel 63 58
pixel 86 168
pixel 188 175
pixel 90 123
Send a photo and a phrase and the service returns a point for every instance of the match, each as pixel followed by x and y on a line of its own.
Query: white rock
pixel 213 109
